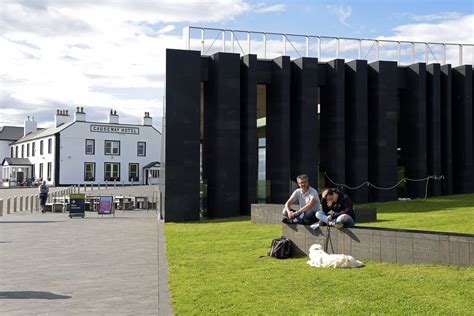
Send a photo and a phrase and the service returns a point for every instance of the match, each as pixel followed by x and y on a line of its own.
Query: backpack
pixel 281 248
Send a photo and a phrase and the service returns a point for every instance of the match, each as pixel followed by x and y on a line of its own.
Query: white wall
pixel 73 156
pixel 4 153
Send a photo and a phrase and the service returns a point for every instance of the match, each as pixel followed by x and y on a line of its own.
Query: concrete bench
pixel 387 244
pixel 271 214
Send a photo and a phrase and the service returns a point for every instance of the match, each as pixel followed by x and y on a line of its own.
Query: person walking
pixel 43 195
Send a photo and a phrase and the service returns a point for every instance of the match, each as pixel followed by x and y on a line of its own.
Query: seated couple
pixel 334 209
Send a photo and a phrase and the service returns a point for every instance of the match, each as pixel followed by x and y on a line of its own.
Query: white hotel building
pixel 82 152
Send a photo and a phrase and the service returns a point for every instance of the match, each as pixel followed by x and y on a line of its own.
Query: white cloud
pixel 437 17
pixel 271 8
pixel 343 12
pixel 166 29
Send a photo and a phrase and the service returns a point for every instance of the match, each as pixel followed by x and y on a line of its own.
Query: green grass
pixel 453 213
pixel 216 268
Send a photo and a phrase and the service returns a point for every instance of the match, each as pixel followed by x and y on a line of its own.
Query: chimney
pixel 113 117
pixel 80 116
pixel 61 117
pixel 147 119
pixel 30 126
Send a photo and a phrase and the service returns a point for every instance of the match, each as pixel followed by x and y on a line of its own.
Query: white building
pixel 78 151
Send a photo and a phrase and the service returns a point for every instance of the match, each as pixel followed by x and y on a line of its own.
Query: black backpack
pixel 281 248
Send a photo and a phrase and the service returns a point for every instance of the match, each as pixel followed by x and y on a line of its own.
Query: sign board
pixel 105 205
pixel 76 205
pixel 115 129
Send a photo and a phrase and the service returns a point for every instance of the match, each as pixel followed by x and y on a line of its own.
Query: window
pixel 133 172
pixel 89 171
pixel 90 146
pixel 141 149
pixel 11 153
pixel 41 147
pixel 49 171
pixel 155 173
pixel 16 151
pixel 112 171
pixel 41 171
pixel 27 150
pixel 50 145
pixel 33 148
pixel 22 151
pixel 112 147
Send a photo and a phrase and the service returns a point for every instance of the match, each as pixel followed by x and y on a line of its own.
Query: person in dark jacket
pixel 338 210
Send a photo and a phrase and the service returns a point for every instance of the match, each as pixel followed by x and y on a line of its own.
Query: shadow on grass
pixel 217 220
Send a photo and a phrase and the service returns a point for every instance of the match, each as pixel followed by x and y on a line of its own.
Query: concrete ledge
pixel 387 244
pixel 271 214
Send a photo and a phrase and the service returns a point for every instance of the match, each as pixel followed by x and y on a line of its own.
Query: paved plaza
pixel 53 265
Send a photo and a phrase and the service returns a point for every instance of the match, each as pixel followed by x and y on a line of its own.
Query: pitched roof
pixel 151 164
pixel 40 133
pixel 11 132
pixel 17 161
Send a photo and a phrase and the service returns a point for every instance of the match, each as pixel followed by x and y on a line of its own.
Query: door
pixel 20 176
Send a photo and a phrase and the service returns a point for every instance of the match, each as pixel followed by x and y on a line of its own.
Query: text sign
pixel 115 129
pixel 105 205
pixel 76 204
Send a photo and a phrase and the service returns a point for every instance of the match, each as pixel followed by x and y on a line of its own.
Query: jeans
pixel 347 220
pixel 43 197
pixel 308 217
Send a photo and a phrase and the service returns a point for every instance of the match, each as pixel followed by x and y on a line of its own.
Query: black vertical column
pixel 433 121
pixel 304 119
pixel 413 129
pixel 333 123
pixel 222 135
pixel 462 129
pixel 382 124
pixel 278 130
pixel 248 133
pixel 446 130
pixel 357 147
pixel 181 136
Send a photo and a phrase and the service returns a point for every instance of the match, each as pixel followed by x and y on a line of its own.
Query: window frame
pixel 41 147
pixel 50 145
pixel 144 149
pixel 111 148
pixel 93 147
pixel 86 178
pixel 111 177
pixel 137 177
pixel 49 170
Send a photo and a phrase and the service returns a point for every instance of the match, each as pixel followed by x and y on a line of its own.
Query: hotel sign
pixel 115 129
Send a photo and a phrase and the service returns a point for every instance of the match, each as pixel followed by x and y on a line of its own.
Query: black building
pixel 346 123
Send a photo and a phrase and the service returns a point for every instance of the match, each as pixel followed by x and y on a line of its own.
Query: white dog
pixel 319 258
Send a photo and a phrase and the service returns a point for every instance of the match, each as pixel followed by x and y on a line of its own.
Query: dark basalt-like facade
pixel 375 119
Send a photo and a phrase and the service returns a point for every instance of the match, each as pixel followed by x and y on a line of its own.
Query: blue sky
pixel 59 54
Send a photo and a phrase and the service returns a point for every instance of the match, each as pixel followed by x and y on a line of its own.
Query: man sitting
pixel 338 210
pixel 308 200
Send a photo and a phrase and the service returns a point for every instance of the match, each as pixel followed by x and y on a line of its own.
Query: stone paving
pixel 53 265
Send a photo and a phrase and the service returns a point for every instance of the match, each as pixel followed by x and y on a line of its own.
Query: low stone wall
pixel 271 214
pixel 386 244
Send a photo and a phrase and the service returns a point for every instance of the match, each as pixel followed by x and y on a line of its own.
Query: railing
pixel 270 45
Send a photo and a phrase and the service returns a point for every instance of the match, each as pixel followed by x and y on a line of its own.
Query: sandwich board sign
pixel 76 205
pixel 106 205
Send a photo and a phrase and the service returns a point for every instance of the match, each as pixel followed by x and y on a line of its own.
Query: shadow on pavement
pixel 32 295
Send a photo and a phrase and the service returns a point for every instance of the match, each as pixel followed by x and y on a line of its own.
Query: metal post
pixel 460 54
pixel 1 207
pixel 360 49
pixel 8 205
pixel 412 52
pixel 186 37
pixel 264 45
pixel 21 203
pixel 248 41
pixel 232 39
pixel 32 199
pixel 307 46
pixel 399 53
pixel 284 45
pixel 444 54
pixel 223 40
pixel 319 48
pixel 378 50
pixel 15 204
pixel 202 41
pixel 27 203
pixel 426 53
pixel 337 48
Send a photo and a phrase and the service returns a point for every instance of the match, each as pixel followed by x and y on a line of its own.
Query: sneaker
pixel 314 226
pixel 285 221
pixel 339 225
pixel 332 223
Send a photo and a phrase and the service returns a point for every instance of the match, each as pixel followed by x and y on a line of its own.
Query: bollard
pixel 106 184
pixel 14 205
pixel 1 207
pixel 27 204
pixel 8 206
pixel 32 198
pixel 115 183
pixel 37 202
pixel 21 203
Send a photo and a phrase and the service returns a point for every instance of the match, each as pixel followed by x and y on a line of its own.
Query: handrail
pixel 306 47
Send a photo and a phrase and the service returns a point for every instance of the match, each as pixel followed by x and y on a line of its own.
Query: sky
pixel 110 54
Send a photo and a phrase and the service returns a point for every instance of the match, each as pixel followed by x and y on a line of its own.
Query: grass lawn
pixel 216 268
pixel 454 213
